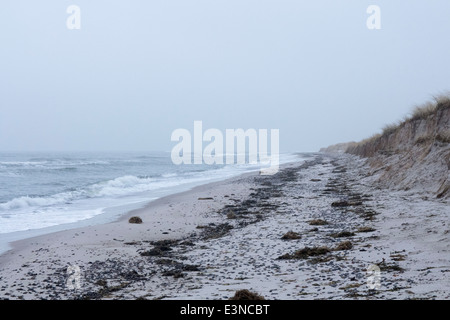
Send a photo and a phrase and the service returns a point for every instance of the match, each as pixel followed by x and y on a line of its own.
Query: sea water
pixel 56 191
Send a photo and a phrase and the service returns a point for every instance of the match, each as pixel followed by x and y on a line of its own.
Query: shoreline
pixel 123 217
pixel 111 215
pixel 117 212
pixel 228 235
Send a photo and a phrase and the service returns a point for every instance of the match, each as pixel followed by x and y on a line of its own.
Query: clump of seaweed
pixel 152 252
pixel 397 256
pixel 317 222
pixel 136 220
pixel 216 231
pixel 342 234
pixel 345 203
pixel 173 273
pixel 389 266
pixel 246 295
pixel 231 215
pixel 291 235
pixel 321 259
pixel 344 245
pixel 306 253
pixel 365 229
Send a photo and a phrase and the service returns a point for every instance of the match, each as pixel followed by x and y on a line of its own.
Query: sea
pixel 46 192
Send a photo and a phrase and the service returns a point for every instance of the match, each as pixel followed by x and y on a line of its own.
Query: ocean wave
pixel 26 202
pixel 22 164
pixel 120 186
pixel 80 200
pixel 169 175
pixel 52 164
pixel 10 174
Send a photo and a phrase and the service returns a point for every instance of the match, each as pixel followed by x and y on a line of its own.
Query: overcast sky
pixel 139 69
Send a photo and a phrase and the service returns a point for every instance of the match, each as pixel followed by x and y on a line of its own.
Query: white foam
pixel 38 219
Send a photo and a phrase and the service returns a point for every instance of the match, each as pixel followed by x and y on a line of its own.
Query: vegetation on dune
pixel 418 113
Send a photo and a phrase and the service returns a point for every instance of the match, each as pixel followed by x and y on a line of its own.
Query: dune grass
pixel 428 108
pixel 443 136
pixel 390 128
pixel 419 112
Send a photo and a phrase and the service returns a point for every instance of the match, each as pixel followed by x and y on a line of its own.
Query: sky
pixel 137 70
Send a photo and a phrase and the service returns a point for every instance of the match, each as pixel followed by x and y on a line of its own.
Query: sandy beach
pixel 208 242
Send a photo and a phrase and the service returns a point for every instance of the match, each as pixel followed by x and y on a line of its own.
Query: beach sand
pixel 208 242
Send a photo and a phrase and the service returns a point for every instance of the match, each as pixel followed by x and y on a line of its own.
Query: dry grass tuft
pixel 370 139
pixel 422 112
pixel 390 128
pixel 423 139
pixel 443 136
pixel 419 112
pixel 442 101
pixel 428 108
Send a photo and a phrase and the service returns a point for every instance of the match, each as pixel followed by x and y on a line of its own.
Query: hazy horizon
pixel 138 70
